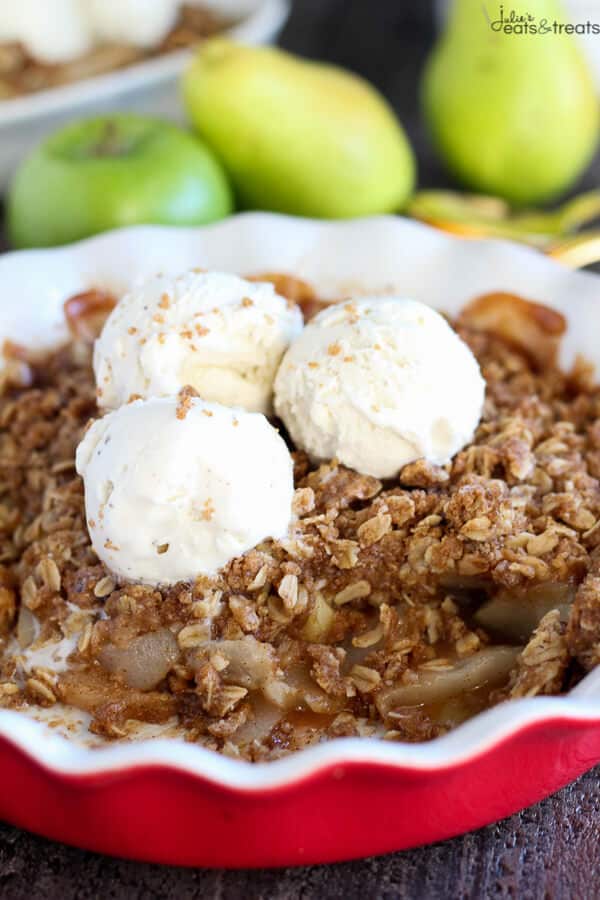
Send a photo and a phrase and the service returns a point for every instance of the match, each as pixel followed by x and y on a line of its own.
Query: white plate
pixel 147 87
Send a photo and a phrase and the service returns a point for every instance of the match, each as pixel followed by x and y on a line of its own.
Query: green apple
pixel 296 136
pixel 112 171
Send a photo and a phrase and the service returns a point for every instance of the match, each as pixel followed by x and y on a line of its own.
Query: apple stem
pixel 108 143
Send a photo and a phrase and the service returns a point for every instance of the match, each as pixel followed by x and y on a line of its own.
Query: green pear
pixel 297 136
pixel 509 100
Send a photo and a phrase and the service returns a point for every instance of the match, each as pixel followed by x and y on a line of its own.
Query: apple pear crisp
pixel 22 73
pixel 394 608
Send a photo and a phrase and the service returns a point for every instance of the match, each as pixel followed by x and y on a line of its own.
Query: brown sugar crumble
pixel 185 399
pixel 395 609
pixel 208 510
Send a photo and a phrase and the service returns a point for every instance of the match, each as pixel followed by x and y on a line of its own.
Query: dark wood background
pixel 549 851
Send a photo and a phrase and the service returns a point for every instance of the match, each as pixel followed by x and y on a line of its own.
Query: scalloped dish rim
pixel 256 26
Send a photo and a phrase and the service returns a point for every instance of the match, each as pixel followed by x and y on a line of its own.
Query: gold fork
pixel 577 250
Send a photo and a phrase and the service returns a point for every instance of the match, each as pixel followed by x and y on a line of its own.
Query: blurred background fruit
pixel 296 136
pixel 513 114
pixel 114 171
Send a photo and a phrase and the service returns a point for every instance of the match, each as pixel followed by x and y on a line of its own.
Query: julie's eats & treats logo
pixel 512 21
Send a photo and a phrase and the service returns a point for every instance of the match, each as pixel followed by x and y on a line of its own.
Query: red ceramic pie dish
pixel 177 805
pixel 164 800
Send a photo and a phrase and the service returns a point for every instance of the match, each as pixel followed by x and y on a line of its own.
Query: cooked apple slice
pixel 86 313
pixel 145 662
pixel 488 667
pixel 532 327
pixel 516 614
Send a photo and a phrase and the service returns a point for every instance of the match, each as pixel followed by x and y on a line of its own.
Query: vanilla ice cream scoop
pixel 220 334
pixel 379 382
pixel 176 487
pixel 50 32
pixel 135 22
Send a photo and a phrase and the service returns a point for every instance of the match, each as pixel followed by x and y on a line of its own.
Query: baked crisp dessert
pixel 22 73
pixel 396 608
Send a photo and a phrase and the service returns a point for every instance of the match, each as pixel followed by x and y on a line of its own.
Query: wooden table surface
pixel 548 851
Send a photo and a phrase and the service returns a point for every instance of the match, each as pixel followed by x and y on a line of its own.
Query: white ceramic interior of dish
pixel 150 87
pixel 368 256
